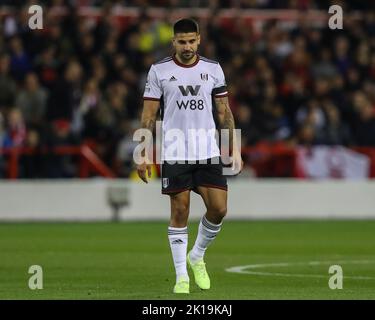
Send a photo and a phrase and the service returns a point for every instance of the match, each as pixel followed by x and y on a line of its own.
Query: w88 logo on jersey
pixel 191 104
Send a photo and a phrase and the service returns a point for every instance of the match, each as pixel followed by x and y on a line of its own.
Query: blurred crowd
pixel 245 4
pixel 82 79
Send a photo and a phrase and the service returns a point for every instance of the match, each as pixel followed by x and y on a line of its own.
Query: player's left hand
pixel 237 164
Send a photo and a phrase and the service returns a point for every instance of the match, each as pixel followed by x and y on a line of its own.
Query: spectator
pixel 60 166
pixel 32 164
pixel 324 68
pixel 47 65
pixel 90 100
pixel 16 128
pixel 66 94
pixel 8 87
pixel 250 134
pixel 365 126
pixel 335 132
pixel 312 114
pixel 32 101
pixel 19 60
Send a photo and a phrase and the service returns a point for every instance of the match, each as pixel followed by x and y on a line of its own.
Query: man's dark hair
pixel 185 26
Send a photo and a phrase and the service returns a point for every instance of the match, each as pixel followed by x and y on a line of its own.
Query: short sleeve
pixel 220 86
pixel 152 88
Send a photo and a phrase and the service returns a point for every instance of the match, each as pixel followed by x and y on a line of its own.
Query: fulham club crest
pixel 204 76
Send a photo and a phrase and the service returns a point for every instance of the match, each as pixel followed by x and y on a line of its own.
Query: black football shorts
pixel 178 177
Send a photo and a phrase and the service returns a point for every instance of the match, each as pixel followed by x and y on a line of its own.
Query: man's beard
pixel 186 56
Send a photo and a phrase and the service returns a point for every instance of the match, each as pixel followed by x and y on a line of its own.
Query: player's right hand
pixel 144 170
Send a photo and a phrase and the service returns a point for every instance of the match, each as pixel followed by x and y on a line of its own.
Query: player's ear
pixel 199 39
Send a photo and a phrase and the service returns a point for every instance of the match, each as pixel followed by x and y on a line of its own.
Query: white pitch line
pixel 244 269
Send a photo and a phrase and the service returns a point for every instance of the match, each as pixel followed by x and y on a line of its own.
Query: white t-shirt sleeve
pixel 153 89
pixel 220 86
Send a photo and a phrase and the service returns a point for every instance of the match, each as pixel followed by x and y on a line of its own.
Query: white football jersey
pixel 186 94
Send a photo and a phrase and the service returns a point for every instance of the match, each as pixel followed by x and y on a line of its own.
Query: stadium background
pixel 70 100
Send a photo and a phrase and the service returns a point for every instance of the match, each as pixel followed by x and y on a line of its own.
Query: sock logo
pixel 177 241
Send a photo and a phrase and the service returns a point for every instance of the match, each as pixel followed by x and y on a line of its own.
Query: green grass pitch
pixel 133 261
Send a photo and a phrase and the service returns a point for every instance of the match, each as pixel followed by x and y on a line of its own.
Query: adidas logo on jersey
pixel 172 79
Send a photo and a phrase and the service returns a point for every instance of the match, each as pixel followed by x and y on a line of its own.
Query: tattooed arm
pixel 148 120
pixel 226 121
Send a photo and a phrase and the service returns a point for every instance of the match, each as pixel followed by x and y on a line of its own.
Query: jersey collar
pixel 185 65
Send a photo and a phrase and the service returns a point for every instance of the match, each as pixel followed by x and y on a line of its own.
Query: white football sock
pixel 178 240
pixel 207 232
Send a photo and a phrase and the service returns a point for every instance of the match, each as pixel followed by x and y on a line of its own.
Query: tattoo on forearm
pixel 227 120
pixel 229 124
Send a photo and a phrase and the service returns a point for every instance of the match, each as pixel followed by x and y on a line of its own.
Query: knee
pixel 180 211
pixel 219 212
